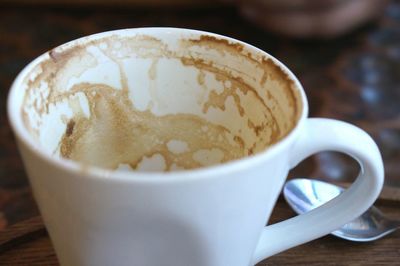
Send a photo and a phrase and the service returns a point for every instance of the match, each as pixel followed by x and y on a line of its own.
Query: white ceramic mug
pixel 213 215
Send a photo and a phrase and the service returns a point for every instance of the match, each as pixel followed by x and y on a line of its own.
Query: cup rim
pixel 23 136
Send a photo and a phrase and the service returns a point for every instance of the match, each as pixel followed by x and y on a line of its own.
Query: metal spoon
pixel 304 195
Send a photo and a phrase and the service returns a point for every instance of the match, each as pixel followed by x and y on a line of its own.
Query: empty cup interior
pixel 158 101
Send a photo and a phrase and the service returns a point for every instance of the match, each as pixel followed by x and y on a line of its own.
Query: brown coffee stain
pixel 116 133
pixel 70 128
pixel 26 121
pixel 214 43
pixel 256 128
pixel 153 69
pixel 252 149
pixel 271 70
pixel 201 77
pixel 201 80
pixel 48 72
pixel 239 141
pixel 64 56
pixel 275 72
pixel 218 100
pixel 152 73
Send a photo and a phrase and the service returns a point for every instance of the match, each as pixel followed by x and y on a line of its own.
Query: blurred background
pixel 346 54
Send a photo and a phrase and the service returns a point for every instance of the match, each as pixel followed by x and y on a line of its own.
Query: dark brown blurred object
pixel 310 18
pixel 107 3
pixel 354 78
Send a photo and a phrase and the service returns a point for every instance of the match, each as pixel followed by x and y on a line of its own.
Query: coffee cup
pixel 166 146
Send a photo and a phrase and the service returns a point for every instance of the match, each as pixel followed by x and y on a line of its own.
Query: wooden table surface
pixel 355 78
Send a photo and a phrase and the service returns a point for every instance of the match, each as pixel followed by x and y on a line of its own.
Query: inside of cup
pixel 158 101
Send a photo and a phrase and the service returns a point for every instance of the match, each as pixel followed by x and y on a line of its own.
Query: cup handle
pixel 321 134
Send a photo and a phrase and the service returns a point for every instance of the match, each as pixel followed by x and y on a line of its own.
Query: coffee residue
pixel 70 128
pixel 116 133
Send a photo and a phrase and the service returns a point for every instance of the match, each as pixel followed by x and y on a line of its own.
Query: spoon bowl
pixel 303 195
